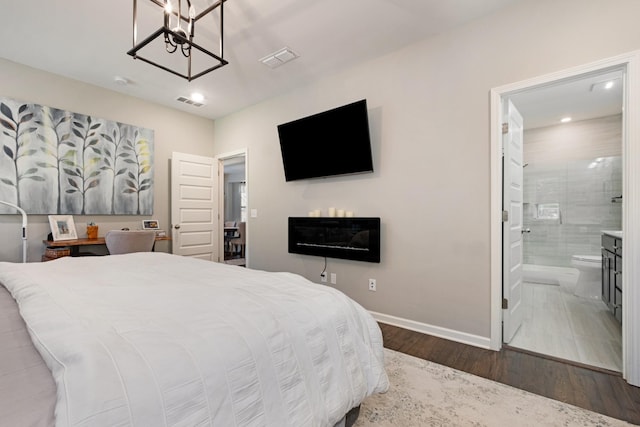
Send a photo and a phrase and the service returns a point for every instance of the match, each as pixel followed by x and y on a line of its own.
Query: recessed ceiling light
pixel 565 119
pixel 604 85
pixel 197 97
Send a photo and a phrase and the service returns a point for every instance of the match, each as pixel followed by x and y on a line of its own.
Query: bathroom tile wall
pixel 573 172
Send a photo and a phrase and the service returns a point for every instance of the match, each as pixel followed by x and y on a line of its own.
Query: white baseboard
pixel 437 331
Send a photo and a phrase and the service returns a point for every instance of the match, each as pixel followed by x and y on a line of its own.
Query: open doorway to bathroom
pixel 572 175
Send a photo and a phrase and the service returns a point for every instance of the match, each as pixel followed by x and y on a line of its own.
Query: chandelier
pixel 171 47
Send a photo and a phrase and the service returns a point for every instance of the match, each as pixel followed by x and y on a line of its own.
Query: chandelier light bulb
pixel 168 9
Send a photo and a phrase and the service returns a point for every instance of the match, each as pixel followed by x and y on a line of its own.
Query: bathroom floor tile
pixel 552 321
pixel 547 297
pixel 534 338
pixel 560 324
pixel 588 320
pixel 603 353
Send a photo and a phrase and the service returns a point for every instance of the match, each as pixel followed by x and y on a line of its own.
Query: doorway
pixel 234 207
pixel 571 191
pixel 628 65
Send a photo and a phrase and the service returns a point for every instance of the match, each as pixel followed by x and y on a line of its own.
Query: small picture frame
pixel 62 227
pixel 150 224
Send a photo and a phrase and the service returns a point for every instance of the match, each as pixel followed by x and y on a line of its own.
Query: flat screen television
pixel 334 142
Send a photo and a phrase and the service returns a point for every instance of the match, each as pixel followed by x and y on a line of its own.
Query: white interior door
pixel 194 206
pixel 512 228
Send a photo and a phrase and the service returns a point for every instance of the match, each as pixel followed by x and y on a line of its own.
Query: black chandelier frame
pixel 179 39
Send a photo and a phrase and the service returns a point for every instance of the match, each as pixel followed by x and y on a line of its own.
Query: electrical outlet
pixel 333 278
pixel 372 285
pixel 323 277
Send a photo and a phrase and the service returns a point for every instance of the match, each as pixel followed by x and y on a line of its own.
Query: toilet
pixel 589 284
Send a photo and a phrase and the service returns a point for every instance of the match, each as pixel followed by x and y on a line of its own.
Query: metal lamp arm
pixel 24 228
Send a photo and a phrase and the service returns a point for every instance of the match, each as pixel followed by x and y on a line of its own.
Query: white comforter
pixel 152 340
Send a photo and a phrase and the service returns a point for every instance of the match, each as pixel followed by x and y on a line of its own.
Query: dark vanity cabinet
pixel 612 274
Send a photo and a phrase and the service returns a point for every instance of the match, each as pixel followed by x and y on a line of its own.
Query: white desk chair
pixel 124 242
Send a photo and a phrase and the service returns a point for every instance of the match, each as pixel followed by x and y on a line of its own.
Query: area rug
pixel 424 393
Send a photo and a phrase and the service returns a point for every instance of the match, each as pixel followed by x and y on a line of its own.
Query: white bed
pixel 151 339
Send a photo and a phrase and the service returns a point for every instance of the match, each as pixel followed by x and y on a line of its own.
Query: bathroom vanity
pixel 612 272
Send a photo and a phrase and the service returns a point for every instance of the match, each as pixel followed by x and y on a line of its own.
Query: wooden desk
pixel 75 244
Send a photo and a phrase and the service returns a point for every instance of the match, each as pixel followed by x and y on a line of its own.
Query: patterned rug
pixel 423 393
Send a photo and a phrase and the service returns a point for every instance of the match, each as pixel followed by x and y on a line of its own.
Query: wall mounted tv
pixel 334 142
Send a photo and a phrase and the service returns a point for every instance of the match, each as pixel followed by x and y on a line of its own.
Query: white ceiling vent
pixel 279 57
pixel 189 101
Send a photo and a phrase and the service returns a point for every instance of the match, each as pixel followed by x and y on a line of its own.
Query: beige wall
pixel 429 118
pixel 173 131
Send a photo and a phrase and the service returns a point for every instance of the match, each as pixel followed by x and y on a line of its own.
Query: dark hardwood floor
pixel 606 393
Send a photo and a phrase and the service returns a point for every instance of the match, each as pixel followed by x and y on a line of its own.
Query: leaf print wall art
pixel 59 162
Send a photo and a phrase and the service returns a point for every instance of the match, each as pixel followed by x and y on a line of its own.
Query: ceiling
pixel 88 41
pixel 580 98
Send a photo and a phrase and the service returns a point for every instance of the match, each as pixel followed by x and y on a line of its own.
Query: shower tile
pixel 584 195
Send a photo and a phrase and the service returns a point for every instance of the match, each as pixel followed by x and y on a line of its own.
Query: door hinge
pixel 505 216
pixel 505 128
pixel 505 303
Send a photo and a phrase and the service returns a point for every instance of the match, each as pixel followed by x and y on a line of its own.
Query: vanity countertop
pixel 613 233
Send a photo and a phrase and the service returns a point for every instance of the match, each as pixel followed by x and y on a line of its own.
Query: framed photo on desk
pixel 150 224
pixel 62 227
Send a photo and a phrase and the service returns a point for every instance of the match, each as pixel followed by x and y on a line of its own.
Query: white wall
pixel 429 119
pixel 174 131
